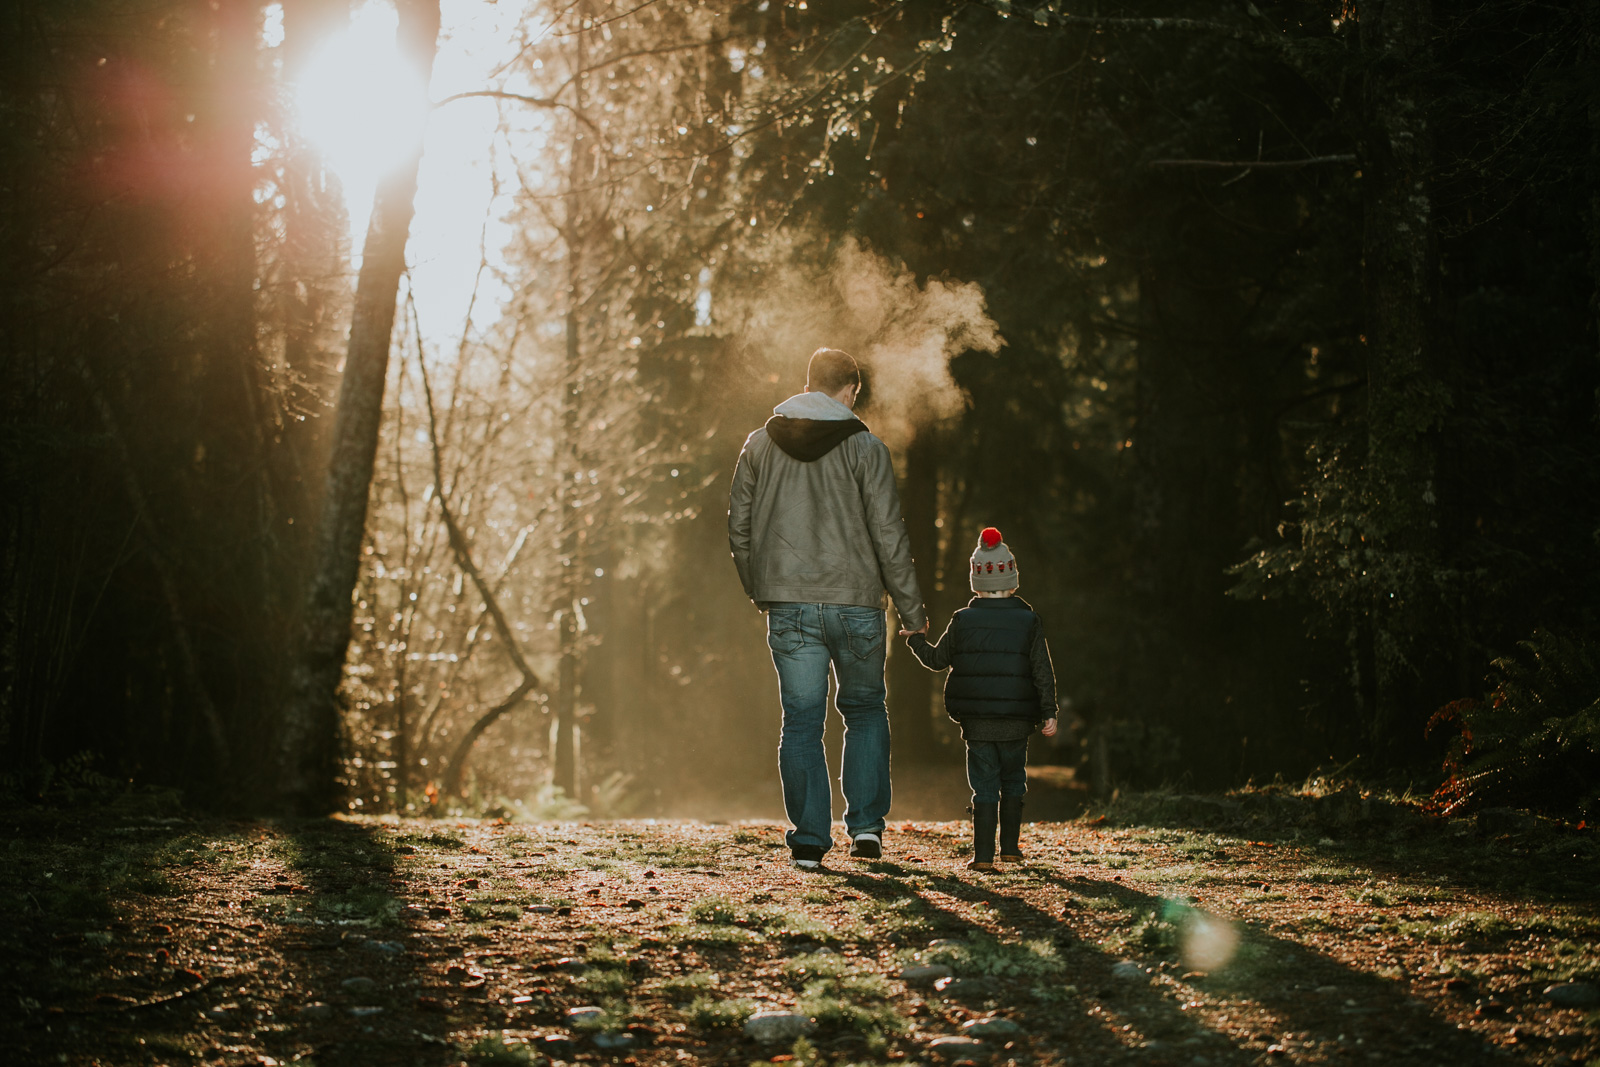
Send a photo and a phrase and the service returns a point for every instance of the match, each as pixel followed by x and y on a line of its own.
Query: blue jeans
pixel 805 640
pixel 997 769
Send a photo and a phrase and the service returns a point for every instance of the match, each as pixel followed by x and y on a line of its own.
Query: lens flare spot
pixel 1209 942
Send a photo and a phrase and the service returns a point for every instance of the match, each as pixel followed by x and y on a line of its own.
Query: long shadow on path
pixel 355 956
pixel 1317 1003
pixel 1305 1002
pixel 1552 863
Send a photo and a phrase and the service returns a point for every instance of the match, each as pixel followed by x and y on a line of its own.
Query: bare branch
pixel 458 758
pixel 491 602
pixel 521 98
pixel 1043 17
pixel 1252 164
pixel 499 94
pixel 595 24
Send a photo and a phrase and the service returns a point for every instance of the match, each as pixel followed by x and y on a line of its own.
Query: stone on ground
pixel 1573 995
pixel 958 1048
pixel 925 974
pixel 968 990
pixel 996 1029
pixel 772 1027
pixel 556 1046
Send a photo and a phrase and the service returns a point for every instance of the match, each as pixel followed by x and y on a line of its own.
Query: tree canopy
pixel 1268 335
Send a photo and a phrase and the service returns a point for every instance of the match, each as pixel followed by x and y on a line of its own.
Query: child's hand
pixel 908 633
pixel 1049 728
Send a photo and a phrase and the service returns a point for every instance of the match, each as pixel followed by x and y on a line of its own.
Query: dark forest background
pixel 1271 328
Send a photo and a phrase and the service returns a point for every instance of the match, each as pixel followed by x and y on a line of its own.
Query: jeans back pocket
pixel 783 631
pixel 864 632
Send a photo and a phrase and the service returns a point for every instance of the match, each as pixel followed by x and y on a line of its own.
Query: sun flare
pixel 360 103
pixel 362 106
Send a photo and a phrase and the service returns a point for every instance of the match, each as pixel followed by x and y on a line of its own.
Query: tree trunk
pixel 564 761
pixel 598 668
pixel 1406 400
pixel 564 769
pixel 308 749
pixel 910 684
pixel 1171 473
pixel 188 660
pixel 231 584
pixel 1591 43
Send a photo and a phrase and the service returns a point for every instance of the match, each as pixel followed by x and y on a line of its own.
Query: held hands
pixel 1049 728
pixel 923 630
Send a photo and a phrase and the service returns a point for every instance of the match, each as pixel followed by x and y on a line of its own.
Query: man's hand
pixel 923 630
pixel 1049 728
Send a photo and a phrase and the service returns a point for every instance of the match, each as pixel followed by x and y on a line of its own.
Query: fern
pixel 1534 740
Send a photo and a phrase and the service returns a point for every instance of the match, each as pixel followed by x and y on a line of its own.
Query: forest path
pixel 138 940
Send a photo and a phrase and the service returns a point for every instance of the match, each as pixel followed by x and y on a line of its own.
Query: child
pixel 1001 686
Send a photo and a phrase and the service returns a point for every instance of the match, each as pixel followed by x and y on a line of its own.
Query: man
pixel 814 524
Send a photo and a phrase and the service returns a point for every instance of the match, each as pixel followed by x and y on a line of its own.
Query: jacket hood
pixel 808 440
pixel 818 406
pixel 808 426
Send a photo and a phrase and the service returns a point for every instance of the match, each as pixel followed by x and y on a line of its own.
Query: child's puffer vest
pixel 991 673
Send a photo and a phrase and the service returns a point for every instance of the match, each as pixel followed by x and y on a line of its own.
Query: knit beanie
pixel 993 566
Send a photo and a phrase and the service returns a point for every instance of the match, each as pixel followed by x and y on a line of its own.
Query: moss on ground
pixel 137 940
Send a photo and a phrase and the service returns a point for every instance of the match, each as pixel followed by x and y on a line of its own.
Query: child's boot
pixel 984 819
pixel 1010 829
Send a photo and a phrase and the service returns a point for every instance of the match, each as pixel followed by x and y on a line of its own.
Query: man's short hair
pixel 830 370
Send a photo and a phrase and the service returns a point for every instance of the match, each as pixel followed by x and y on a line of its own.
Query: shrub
pixel 684 986
pixel 857 1004
pixel 983 955
pixel 604 982
pixel 707 1013
pixel 495 1050
pixel 715 911
pixel 1534 741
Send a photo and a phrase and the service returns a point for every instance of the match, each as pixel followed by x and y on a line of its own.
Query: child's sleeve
pixel 1044 673
pixel 935 657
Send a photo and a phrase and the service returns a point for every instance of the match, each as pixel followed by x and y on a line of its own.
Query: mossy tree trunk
pixel 1406 398
pixel 309 741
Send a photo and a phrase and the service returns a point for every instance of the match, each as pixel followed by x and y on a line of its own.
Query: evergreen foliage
pixel 1534 740
pixel 1292 422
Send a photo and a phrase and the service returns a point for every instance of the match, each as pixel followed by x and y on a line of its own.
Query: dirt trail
pixel 138 940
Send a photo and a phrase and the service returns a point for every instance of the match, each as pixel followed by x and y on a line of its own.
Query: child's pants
pixel 997 769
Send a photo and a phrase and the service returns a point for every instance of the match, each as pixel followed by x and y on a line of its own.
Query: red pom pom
pixel 990 537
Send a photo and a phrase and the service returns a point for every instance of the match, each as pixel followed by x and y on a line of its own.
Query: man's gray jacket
pixel 814 515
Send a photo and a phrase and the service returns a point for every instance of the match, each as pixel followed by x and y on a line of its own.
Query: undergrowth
pixel 1534 739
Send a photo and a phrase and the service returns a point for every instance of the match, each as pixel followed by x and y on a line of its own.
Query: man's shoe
pixel 807 857
pixel 867 847
pixel 977 866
